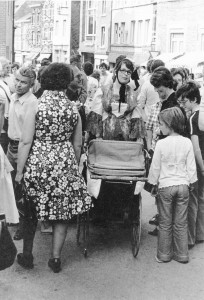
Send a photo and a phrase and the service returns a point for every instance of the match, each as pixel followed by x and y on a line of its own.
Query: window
pixel 176 42
pixel 103 7
pixel 64 27
pixel 146 32
pixel 122 33
pixel 202 42
pixel 139 32
pixel 57 28
pixel 38 38
pixel 116 33
pixel 38 17
pixel 102 36
pixel 91 18
pixel 132 32
pixel 33 37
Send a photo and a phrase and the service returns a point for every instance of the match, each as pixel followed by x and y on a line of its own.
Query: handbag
pixel 8 249
pixel 117 158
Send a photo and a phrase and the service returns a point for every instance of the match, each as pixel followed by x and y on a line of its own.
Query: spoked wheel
pixel 136 233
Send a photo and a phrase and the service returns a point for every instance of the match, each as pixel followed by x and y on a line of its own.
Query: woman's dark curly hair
pixel 162 77
pixel 57 76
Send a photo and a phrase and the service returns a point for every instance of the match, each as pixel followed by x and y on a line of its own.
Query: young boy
pixel 190 100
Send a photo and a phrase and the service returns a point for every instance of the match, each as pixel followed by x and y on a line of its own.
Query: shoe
pixel 55 264
pixel 161 261
pixel 154 220
pixel 199 241
pixel 18 235
pixel 158 260
pixel 25 262
pixel 191 246
pixel 183 262
pixel 154 232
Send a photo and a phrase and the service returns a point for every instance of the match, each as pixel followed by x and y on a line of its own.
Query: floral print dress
pixel 52 177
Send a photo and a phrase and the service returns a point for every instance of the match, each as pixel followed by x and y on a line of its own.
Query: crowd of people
pixel 47 118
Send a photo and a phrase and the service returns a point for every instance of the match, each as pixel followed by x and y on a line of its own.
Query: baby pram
pixel 120 162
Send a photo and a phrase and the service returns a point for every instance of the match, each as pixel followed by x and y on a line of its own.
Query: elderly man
pixel 5 96
pixel 21 101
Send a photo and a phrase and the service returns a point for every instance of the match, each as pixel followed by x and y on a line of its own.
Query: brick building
pixel 7 29
pixel 180 26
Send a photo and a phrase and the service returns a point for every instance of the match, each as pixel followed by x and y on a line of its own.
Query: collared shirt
pixel 173 162
pixel 153 122
pixel 19 106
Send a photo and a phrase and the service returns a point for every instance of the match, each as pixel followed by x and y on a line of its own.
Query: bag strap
pixel 5 93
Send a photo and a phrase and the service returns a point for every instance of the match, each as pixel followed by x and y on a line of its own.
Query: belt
pixel 13 142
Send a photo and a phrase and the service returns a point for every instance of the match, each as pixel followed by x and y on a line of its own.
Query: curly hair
pixel 181 72
pixel 28 72
pixel 174 118
pixel 57 76
pixel 190 91
pixel 162 77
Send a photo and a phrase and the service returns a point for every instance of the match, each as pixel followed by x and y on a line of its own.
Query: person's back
pixel 174 161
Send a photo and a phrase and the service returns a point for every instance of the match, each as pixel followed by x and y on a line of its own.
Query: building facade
pixel 180 26
pixel 7 30
pixel 61 31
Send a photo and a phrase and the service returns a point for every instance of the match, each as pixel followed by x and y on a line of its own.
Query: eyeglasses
pixel 182 101
pixel 126 72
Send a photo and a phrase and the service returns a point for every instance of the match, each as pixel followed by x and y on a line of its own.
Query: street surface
pixel 110 271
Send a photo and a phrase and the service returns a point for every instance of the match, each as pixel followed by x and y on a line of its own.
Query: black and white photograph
pixel 101 150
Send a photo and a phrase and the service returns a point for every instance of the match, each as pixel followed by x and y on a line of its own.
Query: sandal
pixel 55 264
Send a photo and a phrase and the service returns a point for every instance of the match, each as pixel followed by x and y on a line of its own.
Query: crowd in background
pixel 50 115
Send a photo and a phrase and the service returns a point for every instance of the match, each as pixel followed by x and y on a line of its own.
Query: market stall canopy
pixel 44 55
pixel 32 55
pixel 190 60
pixel 165 57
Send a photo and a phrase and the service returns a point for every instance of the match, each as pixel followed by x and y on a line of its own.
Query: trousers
pixel 172 205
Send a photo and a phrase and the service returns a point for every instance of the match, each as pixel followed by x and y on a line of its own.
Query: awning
pixel 165 57
pixel 31 56
pixel 136 57
pixel 44 55
pixel 190 60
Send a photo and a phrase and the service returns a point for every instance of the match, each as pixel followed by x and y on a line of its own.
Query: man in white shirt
pixel 148 96
pixel 21 101
pixel 5 96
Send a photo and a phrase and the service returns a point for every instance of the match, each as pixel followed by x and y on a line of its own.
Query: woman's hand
pixel 18 178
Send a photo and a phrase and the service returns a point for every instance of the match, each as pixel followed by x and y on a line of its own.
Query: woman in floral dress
pixel 50 152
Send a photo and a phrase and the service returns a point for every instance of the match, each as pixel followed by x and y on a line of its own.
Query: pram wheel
pixel 136 233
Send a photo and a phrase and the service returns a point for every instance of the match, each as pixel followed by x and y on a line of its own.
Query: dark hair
pixel 179 71
pixel 161 77
pixel 75 57
pixel 57 76
pixel 149 63
pixel 174 118
pixel 103 65
pixel 40 72
pixel 45 62
pixel 119 58
pixel 156 63
pixel 127 62
pixel 15 65
pixel 190 91
pixel 88 68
